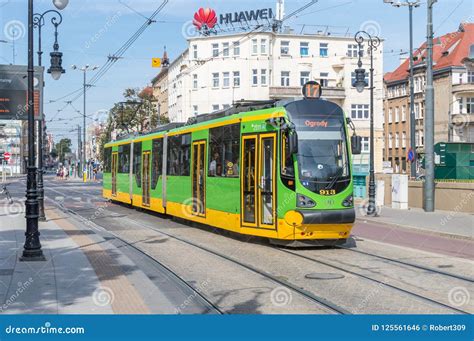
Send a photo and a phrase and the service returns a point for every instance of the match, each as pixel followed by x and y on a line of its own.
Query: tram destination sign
pixel 14 92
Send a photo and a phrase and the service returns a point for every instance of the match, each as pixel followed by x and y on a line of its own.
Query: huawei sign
pixel 205 18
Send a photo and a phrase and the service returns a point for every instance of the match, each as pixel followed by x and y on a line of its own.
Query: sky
pixel 93 30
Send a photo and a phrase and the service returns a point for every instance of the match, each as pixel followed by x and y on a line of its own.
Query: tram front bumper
pixel 345 216
pixel 329 227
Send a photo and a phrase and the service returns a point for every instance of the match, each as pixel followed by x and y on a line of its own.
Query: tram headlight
pixel 304 202
pixel 349 201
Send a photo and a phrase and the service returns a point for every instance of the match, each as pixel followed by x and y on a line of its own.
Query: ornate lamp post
pixel 32 248
pixel 55 70
pixel 360 83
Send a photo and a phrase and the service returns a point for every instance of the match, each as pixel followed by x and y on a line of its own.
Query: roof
pixel 147 91
pixel 449 50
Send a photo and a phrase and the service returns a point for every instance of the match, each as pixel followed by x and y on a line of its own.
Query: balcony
pixel 330 92
pixel 463 88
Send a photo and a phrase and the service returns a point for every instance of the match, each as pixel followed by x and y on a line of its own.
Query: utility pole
pixel 79 153
pixel 411 5
pixel 429 186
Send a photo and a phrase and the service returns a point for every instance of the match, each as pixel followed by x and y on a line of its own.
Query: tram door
pixel 258 181
pixel 198 178
pixel 146 178
pixel 114 173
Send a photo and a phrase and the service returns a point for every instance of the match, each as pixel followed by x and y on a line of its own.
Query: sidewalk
pixel 446 223
pixel 83 272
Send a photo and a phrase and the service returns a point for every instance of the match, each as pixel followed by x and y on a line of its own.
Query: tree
pixel 63 147
pixel 54 153
pixel 137 113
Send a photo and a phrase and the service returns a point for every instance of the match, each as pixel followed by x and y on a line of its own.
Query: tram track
pixel 206 302
pixel 421 267
pixel 319 300
pixel 306 294
pixel 379 282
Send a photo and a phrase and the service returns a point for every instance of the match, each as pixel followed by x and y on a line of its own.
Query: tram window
pixel 179 155
pixel 107 160
pixel 287 167
pixel 224 151
pixel 137 161
pixel 157 162
pixel 124 159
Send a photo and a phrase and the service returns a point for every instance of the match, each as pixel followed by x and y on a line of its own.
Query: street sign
pixel 411 155
pixel 14 92
pixel 6 156
pixel 156 62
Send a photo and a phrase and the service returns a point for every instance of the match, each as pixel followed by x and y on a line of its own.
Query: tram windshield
pixel 323 159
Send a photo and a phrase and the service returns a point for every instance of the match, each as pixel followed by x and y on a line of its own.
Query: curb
pixel 418 229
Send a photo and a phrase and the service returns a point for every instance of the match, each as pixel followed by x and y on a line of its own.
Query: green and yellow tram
pixel 269 170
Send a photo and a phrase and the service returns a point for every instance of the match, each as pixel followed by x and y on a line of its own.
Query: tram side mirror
pixel 356 144
pixel 293 142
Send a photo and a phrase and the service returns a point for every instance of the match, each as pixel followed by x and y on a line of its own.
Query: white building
pixel 217 70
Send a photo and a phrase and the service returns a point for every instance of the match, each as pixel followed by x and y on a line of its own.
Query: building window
pixel 285 48
pixel 254 77
pixel 390 115
pixel 226 106
pixel 195 110
pixel 179 155
pixel 225 49
pixel 397 114
pixel 195 82
pixel 263 77
pixel 323 49
pixel 215 107
pixel 236 79
pixel 365 145
pixel 417 111
pixel 263 46
pixel 397 140
pixel 215 80
pixel 285 78
pixel 360 111
pixel 461 108
pixel 215 50
pixel 323 80
pixel 226 79
pixel 304 49
pixel 470 105
pixel 404 140
pixel 304 77
pixel 254 46
pixel 404 113
pixel 195 52
pixel 422 139
pixel 470 76
pixel 390 138
pixel 460 77
pixel 236 48
pixel 352 50
pixel 224 151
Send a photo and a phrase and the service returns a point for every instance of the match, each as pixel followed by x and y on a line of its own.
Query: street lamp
pixel 84 70
pixel 360 83
pixel 411 5
pixel 32 248
pixel 55 70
